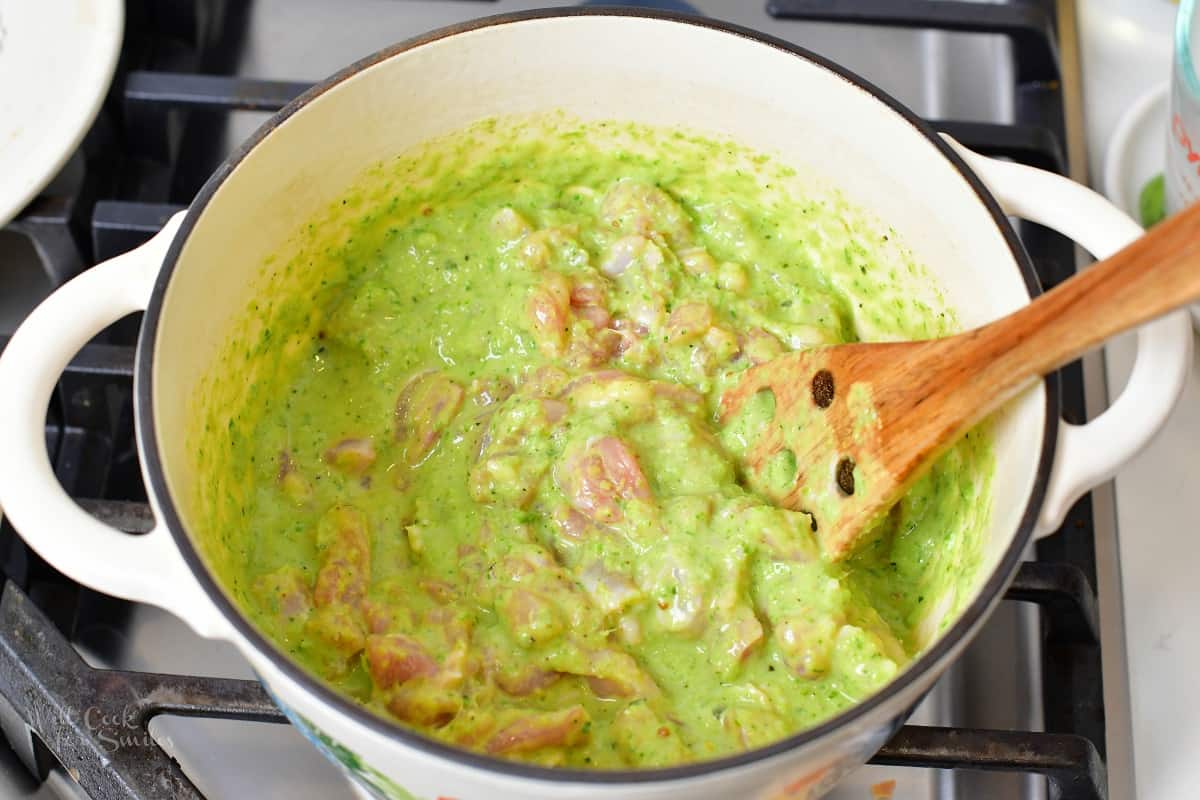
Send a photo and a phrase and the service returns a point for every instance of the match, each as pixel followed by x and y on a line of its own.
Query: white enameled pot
pixel 193 278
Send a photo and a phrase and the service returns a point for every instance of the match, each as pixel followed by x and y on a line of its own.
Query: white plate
pixel 1136 154
pixel 56 62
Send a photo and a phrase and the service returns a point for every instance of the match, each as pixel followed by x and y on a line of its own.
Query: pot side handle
pixel 1087 455
pixel 146 568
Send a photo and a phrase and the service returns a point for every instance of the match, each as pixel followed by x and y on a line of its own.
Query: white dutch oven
pixel 948 205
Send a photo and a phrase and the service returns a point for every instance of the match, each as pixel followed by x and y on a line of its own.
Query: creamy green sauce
pixel 466 465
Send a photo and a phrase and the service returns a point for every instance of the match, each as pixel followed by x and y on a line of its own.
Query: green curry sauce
pixel 467 469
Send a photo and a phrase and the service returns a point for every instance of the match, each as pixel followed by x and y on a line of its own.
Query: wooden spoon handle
pixel 1155 274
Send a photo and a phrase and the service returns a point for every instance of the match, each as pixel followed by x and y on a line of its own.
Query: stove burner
pixel 97 721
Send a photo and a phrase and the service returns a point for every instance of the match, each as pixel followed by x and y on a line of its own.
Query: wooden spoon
pixel 854 425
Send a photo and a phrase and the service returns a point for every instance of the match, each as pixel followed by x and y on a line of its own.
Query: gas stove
pixel 105 699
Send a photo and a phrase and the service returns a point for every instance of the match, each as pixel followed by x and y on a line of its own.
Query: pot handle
pixel 1087 455
pixel 146 568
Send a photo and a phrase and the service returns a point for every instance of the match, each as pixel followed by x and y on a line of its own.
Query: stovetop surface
pixel 941 76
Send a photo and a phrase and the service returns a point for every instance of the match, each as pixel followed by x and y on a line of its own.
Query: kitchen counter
pixel 1126 52
pixel 1158 506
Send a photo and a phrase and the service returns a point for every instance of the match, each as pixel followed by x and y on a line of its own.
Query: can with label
pixel 1181 178
pixel 1182 175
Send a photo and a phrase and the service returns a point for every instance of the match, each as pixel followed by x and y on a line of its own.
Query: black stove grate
pixel 169 76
